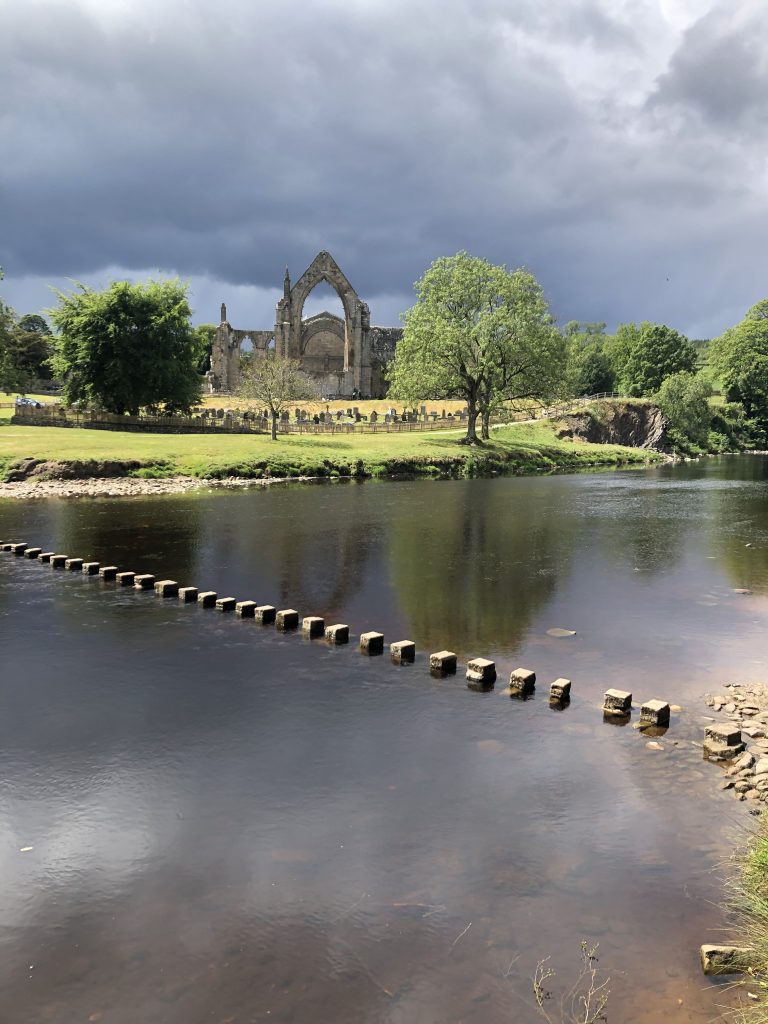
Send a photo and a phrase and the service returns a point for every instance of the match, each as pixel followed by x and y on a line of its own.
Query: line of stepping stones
pixel 480 673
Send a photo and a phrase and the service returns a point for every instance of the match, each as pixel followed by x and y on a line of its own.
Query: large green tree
pixel 14 373
pixel 127 348
pixel 590 366
pixel 618 347
pixel 740 358
pixel 274 382
pixel 683 398
pixel 34 343
pixel 204 334
pixel 480 333
pixel 653 352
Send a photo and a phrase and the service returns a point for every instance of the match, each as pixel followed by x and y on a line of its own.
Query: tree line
pixel 477 331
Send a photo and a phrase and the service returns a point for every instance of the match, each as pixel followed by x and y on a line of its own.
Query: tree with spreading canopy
pixel 481 333
pixel 274 382
pixel 740 358
pixel 648 354
pixel 126 348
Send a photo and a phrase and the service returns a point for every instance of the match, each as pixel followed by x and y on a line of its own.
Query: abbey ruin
pixel 346 357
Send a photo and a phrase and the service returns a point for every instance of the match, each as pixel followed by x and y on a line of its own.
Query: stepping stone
pixel 403 652
pixel 312 625
pixel 560 691
pixel 245 609
pixel 481 671
pixel 522 680
pixel 337 634
pixel 617 702
pixel 443 663
pixel 372 643
pixel 654 712
pixel 287 619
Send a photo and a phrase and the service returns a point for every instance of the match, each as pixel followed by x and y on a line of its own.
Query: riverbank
pixel 54 455
pixel 746 776
pixel 750 899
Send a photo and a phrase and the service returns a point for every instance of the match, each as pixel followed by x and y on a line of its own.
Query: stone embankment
pixel 746 707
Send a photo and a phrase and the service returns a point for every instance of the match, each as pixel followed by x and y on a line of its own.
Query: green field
pixel 516 448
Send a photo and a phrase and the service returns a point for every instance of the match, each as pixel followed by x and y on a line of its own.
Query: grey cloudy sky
pixel 615 147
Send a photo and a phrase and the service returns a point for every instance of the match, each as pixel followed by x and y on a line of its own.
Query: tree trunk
pixel 485 433
pixel 472 413
pixel 274 426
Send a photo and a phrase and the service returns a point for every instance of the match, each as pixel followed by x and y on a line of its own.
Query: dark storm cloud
pixel 222 141
pixel 720 71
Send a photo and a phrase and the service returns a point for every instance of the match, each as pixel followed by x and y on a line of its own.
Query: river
pixel 234 825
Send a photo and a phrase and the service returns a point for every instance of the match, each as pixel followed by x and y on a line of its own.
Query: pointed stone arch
pixel 290 311
pixel 324 268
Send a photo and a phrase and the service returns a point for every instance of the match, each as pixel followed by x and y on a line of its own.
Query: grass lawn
pixel 518 448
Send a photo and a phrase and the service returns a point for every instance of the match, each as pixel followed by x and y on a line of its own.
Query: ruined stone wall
pixel 348 351
pixel 324 352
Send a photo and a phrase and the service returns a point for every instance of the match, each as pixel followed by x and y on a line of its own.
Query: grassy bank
pixel 517 448
pixel 751 900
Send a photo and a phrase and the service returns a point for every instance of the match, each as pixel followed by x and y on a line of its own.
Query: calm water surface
pixel 233 825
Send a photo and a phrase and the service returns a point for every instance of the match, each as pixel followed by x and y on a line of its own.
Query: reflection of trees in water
pixel 320 563
pixel 160 534
pixel 739 516
pixel 473 574
pixel 745 567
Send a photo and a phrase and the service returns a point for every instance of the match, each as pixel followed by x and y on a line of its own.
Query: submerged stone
pixel 725 959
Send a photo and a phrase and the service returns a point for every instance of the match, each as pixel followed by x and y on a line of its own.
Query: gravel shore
pixel 746 706
pixel 126 487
